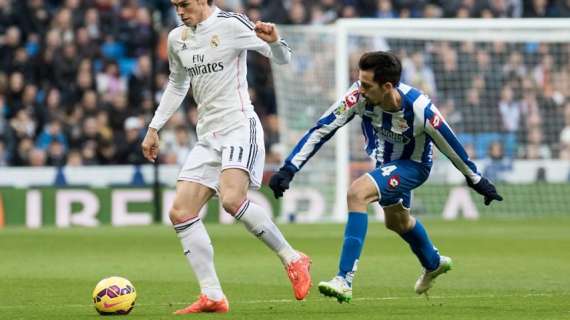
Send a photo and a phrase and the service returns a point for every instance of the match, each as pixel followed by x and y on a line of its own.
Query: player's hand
pixel 150 145
pixel 485 188
pixel 280 181
pixel 266 31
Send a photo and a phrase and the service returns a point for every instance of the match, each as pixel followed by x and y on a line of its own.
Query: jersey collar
pixel 210 19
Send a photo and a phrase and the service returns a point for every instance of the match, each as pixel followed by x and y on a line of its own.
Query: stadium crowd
pixel 78 85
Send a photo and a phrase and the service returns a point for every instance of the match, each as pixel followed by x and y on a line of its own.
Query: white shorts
pixel 241 147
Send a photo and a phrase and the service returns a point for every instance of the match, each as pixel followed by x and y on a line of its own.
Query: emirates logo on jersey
pixel 215 41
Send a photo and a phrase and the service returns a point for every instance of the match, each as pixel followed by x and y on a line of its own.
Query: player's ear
pixel 387 86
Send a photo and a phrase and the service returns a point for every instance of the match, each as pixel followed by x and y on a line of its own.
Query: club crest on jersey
pixel 400 125
pixel 394 181
pixel 215 41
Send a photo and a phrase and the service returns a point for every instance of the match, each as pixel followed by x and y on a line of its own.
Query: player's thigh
pixel 234 184
pixel 243 148
pixel 396 180
pixel 189 199
pixel 397 218
pixel 202 166
pixel 363 190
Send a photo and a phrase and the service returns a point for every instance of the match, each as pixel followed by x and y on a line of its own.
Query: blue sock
pixel 354 235
pixel 422 247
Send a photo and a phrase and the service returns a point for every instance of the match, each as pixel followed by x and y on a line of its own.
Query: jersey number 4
pixel 387 170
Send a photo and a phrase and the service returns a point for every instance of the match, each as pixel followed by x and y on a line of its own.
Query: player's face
pixel 369 88
pixel 191 12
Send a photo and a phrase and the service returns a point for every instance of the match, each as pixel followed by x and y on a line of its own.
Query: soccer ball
pixel 114 295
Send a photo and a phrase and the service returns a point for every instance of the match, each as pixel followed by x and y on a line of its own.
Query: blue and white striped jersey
pixel 406 134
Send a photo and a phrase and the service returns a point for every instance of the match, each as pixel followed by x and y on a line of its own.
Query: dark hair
pixel 386 66
pixel 210 2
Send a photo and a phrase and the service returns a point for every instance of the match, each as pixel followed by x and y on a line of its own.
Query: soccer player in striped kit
pixel 400 125
pixel 208 54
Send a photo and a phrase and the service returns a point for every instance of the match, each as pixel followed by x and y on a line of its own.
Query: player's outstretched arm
pixel 336 116
pixel 262 37
pixel 266 31
pixel 280 181
pixel 447 142
pixel 150 145
pixel 485 188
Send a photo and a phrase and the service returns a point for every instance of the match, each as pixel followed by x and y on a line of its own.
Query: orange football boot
pixel 203 304
pixel 298 272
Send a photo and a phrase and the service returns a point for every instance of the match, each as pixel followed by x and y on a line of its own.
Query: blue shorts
pixel 395 181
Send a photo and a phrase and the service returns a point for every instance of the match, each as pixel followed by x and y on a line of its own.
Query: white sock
pixel 260 225
pixel 199 252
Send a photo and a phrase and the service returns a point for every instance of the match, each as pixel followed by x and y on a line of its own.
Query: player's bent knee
pixel 396 226
pixel 179 215
pixel 362 192
pixel 398 218
pixel 355 197
pixel 232 202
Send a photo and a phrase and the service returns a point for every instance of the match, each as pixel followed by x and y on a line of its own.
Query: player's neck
pixel 392 102
pixel 205 12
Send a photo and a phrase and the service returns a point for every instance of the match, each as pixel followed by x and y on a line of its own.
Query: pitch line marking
pixel 491 296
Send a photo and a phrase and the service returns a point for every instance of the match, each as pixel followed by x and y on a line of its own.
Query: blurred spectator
pixel 119 110
pixel 418 74
pixel 74 159
pixel 10 43
pixel 565 134
pixel 3 154
pixel 52 132
pixel 129 146
pixel 496 165
pixel 183 144
pixel 56 154
pixel 385 9
pixel 539 9
pixel 140 82
pixel 37 158
pixel 138 33
pixel 510 110
pixel 564 8
pixel 16 84
pixel 110 83
pixel 67 63
pixel 89 153
pixel 535 148
pixel 298 14
pixel 271 126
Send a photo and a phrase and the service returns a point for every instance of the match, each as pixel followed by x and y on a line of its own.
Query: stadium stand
pixel 78 85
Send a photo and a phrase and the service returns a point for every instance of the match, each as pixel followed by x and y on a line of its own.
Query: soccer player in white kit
pixel 208 54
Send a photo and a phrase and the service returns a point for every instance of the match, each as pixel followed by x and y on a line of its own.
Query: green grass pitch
pixel 503 269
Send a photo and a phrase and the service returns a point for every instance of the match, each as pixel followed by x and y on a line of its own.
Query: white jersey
pixel 211 59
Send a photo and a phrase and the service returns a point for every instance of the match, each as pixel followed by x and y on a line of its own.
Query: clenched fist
pixel 150 145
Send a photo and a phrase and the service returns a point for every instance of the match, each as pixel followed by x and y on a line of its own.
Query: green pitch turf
pixel 503 269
